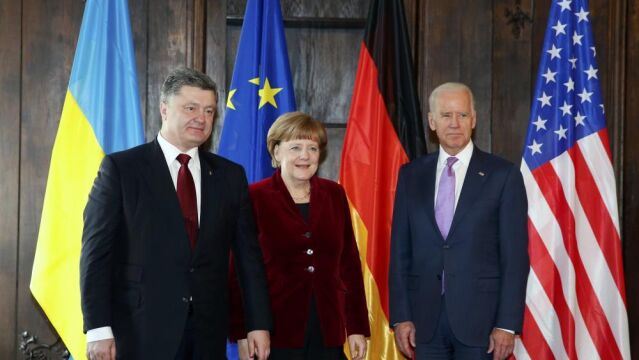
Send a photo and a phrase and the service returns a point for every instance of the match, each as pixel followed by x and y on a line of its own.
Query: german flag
pixel 384 131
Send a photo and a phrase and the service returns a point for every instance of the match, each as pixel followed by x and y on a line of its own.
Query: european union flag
pixel 261 89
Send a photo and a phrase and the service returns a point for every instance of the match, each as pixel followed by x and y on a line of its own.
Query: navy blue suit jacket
pixel 485 256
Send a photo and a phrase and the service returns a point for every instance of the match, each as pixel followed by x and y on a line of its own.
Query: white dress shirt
pixel 460 167
pixel 170 154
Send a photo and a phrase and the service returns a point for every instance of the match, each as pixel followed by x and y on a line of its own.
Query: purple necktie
pixel 445 203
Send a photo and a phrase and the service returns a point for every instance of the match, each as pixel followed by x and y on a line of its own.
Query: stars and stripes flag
pixel 575 301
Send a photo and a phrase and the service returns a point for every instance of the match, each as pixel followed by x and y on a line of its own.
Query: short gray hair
pixel 449 86
pixel 181 77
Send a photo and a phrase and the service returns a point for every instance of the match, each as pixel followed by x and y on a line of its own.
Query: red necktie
pixel 188 200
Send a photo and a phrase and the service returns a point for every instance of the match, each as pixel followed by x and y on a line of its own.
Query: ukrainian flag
pixel 101 115
pixel 260 91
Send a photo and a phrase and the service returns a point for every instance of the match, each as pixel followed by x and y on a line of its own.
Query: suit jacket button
pixel 185 299
pixel 191 270
pixel 446 246
pixel 307 234
pixel 311 269
pixel 309 252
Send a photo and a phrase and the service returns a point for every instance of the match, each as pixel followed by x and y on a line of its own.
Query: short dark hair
pixel 186 77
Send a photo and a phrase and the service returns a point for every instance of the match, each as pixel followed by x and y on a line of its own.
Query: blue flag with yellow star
pixel 261 89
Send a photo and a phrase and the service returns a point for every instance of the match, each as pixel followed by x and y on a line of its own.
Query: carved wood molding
pixel 196 34
pixel 32 350
pixel 517 19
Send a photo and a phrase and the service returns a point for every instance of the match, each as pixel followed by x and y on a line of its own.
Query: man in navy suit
pixel 158 227
pixel 459 261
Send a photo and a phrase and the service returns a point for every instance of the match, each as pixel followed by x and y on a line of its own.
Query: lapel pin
pixel 481 173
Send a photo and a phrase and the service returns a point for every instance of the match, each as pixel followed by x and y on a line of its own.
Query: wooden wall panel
pixel 614 92
pixel 630 173
pixel 540 18
pixel 48 48
pixel 330 167
pixel 323 65
pixel 139 25
pixel 216 56
pixel 475 69
pixel 10 38
pixel 511 82
pixel 411 9
pixel 168 25
pixel 456 46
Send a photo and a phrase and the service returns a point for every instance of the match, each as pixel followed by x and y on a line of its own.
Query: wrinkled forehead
pixel 193 94
pixel 458 100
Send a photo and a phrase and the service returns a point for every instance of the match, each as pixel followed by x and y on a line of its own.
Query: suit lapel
pixel 158 177
pixel 212 198
pixel 473 183
pixel 428 177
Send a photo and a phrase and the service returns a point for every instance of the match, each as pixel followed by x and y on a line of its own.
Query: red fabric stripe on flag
pixel 371 158
pixel 598 217
pixel 550 279
pixel 533 339
pixel 591 310
pixel 603 135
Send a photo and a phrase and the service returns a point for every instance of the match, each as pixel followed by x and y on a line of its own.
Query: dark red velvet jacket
pixel 302 259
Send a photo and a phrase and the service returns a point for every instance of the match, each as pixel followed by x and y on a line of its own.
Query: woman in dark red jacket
pixel 311 258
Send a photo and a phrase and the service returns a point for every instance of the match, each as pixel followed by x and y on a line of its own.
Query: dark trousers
pixel 445 346
pixel 314 348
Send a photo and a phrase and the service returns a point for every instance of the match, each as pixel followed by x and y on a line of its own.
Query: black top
pixel 303 208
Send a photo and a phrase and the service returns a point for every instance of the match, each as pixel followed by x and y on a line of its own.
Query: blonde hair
pixel 293 126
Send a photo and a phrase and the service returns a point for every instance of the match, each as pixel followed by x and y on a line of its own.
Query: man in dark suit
pixel 158 227
pixel 459 261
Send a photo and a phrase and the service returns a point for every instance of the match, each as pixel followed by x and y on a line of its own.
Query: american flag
pixel 575 301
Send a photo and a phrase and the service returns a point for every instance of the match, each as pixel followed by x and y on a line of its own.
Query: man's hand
pixel 357 346
pixel 501 344
pixel 259 344
pixel 101 349
pixel 242 349
pixel 405 338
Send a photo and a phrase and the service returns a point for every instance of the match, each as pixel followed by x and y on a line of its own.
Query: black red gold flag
pixel 384 131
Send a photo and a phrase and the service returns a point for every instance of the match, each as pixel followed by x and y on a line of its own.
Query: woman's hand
pixel 357 346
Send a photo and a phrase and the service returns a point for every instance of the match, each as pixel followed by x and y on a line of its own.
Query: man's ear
pixel 431 121
pixel 163 109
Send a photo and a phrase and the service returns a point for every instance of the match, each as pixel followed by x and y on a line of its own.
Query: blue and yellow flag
pixel 260 91
pixel 101 115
